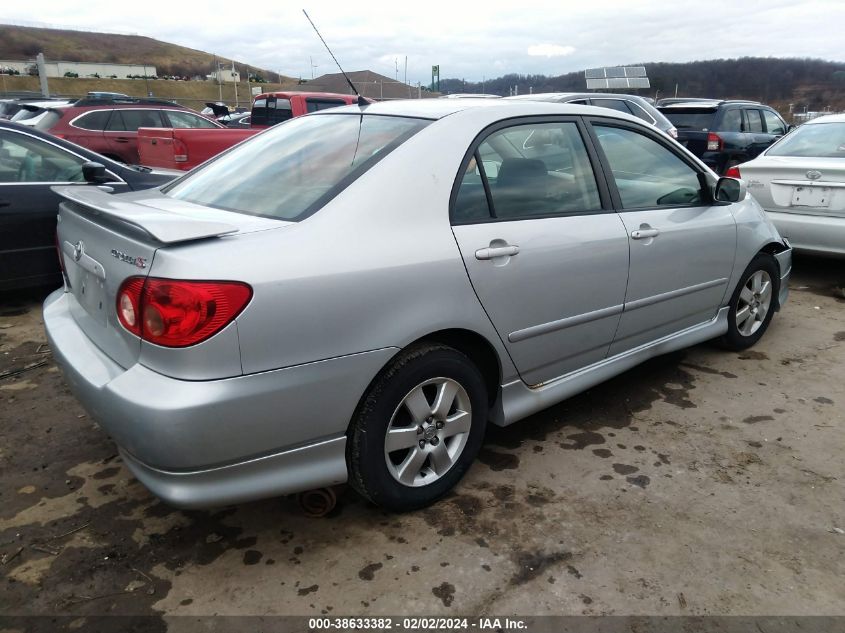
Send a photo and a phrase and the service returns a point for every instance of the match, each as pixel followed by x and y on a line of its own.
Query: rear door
pixel 759 139
pixel 681 247
pixel 693 125
pixel 122 131
pixel 546 255
pixel 29 166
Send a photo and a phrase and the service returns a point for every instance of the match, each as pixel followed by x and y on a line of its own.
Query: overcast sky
pixel 469 40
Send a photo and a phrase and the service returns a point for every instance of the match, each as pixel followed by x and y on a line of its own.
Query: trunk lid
pixel 784 184
pixel 104 239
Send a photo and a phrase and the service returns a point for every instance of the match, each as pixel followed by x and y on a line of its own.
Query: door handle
pixel 496 251
pixel 121 139
pixel 4 203
pixel 644 233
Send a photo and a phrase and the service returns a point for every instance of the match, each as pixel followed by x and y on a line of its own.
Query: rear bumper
pixel 822 235
pixel 202 443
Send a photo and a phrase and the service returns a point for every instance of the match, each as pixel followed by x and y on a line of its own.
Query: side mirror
pixel 789 128
pixel 95 173
pixel 730 190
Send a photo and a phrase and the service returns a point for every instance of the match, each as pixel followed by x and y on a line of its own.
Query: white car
pixel 800 182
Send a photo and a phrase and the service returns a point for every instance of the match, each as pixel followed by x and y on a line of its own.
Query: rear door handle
pixel 121 139
pixel 4 203
pixel 641 234
pixel 496 251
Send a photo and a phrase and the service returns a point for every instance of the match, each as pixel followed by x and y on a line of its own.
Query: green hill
pixel 23 42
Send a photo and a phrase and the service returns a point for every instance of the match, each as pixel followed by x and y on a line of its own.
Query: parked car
pixel 31 162
pixel 724 133
pixel 800 182
pixel 629 104
pixel 31 112
pixel 300 312
pixel 185 148
pixel 110 126
pixel 9 107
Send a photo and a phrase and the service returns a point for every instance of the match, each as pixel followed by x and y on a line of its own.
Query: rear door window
pixel 531 170
pixel 754 123
pixel 133 119
pixel 640 112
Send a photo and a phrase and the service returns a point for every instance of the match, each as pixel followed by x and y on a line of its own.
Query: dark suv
pixel 110 126
pixel 724 133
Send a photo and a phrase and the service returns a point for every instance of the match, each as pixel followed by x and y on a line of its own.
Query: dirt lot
pixel 703 482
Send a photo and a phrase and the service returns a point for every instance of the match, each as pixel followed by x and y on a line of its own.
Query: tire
pixel 411 476
pixel 746 324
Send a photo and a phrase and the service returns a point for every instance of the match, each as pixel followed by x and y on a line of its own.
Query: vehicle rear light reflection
pixel 714 142
pixel 733 172
pixel 179 313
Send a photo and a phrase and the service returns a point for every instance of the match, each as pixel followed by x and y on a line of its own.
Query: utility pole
pixel 235 80
pixel 42 75
pixel 406 70
pixel 217 78
pixel 248 87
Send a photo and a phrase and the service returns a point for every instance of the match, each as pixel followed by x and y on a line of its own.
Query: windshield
pixel 292 170
pixel 822 140
pixel 683 119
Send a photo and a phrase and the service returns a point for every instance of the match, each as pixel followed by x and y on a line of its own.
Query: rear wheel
pixel 753 303
pixel 418 429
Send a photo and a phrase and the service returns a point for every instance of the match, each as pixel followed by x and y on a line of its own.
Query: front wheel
pixel 418 428
pixel 753 303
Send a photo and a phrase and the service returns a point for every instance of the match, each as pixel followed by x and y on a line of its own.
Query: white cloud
pixel 550 50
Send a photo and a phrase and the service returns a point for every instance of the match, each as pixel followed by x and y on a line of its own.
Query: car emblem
pixel 814 174
pixel 138 262
pixel 78 249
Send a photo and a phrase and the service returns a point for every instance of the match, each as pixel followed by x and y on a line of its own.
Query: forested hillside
pixel 810 83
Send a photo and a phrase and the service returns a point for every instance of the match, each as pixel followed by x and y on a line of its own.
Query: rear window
pixel 291 171
pixel 821 140
pixel 697 119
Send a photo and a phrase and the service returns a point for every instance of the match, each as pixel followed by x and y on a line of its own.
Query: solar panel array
pixel 616 77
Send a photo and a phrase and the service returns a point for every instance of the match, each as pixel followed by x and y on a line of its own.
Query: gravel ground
pixel 701 483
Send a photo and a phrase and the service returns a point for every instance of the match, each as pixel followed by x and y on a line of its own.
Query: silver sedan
pixel 800 182
pixel 354 295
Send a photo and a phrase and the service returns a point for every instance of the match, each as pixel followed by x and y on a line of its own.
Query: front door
pixel 546 255
pixel 682 247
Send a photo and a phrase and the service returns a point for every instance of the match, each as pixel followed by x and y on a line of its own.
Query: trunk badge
pixel 814 174
pixel 78 249
pixel 138 262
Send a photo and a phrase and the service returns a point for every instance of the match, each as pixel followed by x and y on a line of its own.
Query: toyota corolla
pixel 355 294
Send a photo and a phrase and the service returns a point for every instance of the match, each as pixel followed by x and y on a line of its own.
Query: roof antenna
pixel 361 101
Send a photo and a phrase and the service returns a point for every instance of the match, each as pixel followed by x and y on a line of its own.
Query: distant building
pixel 369 84
pixel 225 75
pixel 83 69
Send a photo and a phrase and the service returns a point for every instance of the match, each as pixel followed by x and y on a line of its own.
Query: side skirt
pixel 518 400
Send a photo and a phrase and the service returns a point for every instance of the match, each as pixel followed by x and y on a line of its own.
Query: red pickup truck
pixel 184 148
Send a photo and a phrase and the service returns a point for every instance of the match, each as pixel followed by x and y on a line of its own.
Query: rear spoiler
pixel 167 227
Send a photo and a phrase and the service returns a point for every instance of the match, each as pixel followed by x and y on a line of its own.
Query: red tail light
pixel 179 313
pixel 733 172
pixel 714 142
pixel 180 151
pixel 59 135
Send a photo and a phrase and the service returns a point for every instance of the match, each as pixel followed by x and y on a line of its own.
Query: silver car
pixel 800 182
pixel 629 104
pixel 355 294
